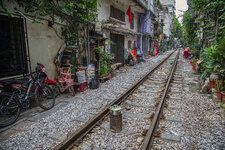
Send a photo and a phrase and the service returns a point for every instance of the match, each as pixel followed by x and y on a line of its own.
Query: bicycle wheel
pixel 55 88
pixel 44 97
pixel 9 109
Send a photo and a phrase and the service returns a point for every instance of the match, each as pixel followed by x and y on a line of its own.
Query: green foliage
pixel 209 15
pixel 219 85
pixel 214 60
pixel 195 48
pixel 212 14
pixel 222 105
pixel 74 14
pixel 189 28
pixel 178 31
pixel 208 61
pixel 105 61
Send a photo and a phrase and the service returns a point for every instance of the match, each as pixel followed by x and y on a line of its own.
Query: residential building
pixel 115 25
pixel 168 16
pixel 29 43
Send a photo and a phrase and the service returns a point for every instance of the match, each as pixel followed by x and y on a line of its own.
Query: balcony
pixel 142 3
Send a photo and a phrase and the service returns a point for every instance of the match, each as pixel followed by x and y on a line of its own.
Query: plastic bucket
pixel 81 76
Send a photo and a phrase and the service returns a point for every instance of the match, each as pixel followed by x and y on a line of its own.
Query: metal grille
pixel 13 57
pixel 117 14
pixel 118 48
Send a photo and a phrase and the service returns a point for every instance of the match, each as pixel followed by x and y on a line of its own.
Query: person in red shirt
pixel 186 52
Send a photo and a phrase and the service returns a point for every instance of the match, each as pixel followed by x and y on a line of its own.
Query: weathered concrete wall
pixel 44 45
pixel 42 40
pixel 168 23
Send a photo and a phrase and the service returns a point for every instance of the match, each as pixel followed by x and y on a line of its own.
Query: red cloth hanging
pixel 129 14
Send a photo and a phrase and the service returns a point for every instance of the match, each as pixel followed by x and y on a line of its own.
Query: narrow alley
pixel 112 75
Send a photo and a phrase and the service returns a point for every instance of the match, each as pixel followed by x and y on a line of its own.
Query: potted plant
pixel 106 61
pixel 193 66
pixel 213 77
pixel 191 62
pixel 223 96
pixel 219 88
pixel 223 93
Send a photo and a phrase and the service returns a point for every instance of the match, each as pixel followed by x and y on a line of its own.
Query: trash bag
pixel 131 62
pixel 94 84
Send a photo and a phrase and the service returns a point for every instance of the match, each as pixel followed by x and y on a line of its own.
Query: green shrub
pixel 105 61
pixel 213 60
pixel 219 85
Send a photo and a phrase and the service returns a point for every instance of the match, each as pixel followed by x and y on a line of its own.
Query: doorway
pixel 117 48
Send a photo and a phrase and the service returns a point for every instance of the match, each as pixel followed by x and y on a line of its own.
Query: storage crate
pixel 81 87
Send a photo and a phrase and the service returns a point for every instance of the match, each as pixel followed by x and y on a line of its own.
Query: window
pixel 132 22
pixel 117 14
pixel 13 58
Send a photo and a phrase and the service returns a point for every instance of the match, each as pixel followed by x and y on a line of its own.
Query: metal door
pixel 117 48
pixel 145 45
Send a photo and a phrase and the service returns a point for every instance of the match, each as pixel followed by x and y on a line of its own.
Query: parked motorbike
pixel 45 80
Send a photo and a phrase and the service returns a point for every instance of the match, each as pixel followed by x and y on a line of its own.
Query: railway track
pixel 142 108
pixel 169 124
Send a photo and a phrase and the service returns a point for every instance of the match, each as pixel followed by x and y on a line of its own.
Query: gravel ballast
pixel 52 129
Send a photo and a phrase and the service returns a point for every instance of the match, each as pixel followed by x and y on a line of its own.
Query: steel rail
pixel 150 134
pixel 75 138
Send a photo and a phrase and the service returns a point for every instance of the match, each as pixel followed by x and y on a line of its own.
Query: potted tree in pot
pixel 194 64
pixel 219 88
pixel 223 93
pixel 106 60
pixel 223 96
pixel 212 79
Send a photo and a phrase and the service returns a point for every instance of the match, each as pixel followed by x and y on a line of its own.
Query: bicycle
pixel 20 97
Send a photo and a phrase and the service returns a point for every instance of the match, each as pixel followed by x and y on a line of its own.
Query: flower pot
pixel 219 95
pixel 212 83
pixel 193 67
pixel 111 74
pixel 223 96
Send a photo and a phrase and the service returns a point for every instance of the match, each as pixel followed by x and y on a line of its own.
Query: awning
pixel 121 30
